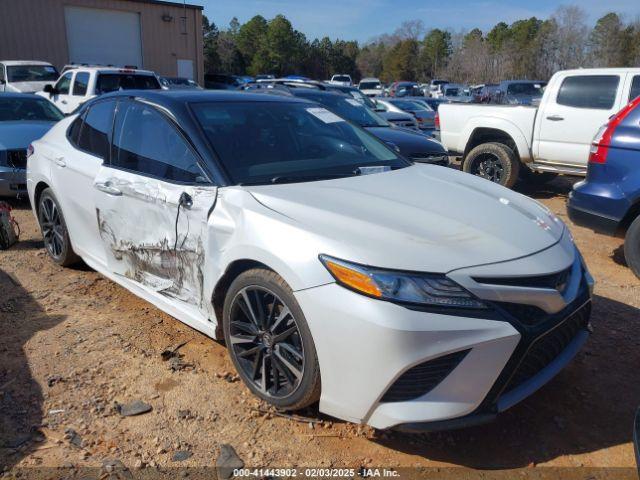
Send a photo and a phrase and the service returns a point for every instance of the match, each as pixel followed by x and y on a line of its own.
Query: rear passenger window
pixel 80 84
pixel 145 142
pixel 589 91
pixel 74 131
pixel 94 135
pixel 635 88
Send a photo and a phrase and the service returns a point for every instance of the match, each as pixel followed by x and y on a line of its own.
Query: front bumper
pixel 365 347
pixel 13 182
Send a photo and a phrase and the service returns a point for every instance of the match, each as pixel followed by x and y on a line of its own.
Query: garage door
pixel 107 37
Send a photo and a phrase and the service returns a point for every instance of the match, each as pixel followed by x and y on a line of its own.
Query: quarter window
pixel 80 84
pixel 94 135
pixel 589 91
pixel 635 88
pixel 145 142
pixel 64 83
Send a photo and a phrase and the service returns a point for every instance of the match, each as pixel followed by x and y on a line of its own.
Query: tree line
pixel 530 48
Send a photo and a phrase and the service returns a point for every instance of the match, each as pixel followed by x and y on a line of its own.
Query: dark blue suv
pixel 608 201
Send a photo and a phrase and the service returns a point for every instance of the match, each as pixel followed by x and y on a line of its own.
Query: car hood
pixel 29 87
pixel 20 134
pixel 409 142
pixel 420 218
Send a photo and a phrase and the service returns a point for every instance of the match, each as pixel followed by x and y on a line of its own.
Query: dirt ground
pixel 73 345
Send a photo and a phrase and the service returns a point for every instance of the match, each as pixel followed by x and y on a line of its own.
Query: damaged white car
pixel 397 295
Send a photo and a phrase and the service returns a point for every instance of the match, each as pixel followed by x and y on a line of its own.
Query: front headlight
pixel 429 289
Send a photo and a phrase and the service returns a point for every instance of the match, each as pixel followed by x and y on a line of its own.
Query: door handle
pixel 107 188
pixel 555 118
pixel 60 161
pixel 64 102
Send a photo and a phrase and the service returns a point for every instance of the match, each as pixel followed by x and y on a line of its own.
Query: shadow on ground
pixel 587 407
pixel 21 399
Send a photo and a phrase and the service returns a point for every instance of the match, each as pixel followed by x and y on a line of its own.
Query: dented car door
pixel 152 202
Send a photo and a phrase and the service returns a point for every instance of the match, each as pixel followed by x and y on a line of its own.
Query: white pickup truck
pixel 503 142
pixel 80 84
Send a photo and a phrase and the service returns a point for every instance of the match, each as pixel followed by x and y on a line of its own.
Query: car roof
pixel 132 71
pixel 21 95
pixel 10 63
pixel 174 98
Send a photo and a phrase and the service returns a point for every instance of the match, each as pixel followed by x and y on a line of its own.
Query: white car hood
pixel 421 218
pixel 29 87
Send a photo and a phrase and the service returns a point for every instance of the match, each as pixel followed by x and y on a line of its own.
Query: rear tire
pixel 632 246
pixel 495 162
pixel 269 340
pixel 54 230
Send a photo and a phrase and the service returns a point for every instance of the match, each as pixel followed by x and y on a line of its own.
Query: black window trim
pixel 82 114
pixel 590 75
pixel 634 77
pixel 166 114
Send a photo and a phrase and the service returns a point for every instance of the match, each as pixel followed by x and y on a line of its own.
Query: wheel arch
pixel 233 270
pixel 496 131
pixel 41 186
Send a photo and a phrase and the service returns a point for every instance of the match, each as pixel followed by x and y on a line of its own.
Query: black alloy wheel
pixel 488 166
pixel 266 342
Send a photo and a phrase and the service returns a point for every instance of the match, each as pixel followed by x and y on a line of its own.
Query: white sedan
pixel 396 295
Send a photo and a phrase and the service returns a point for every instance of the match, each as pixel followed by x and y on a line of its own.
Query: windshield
pixel 263 142
pixel 32 73
pixel 349 109
pixel 112 82
pixel 408 105
pixel 341 78
pixel 28 109
pixel 370 85
pixel 533 89
pixel 452 92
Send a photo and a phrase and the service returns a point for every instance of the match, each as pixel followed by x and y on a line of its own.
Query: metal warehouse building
pixel 165 37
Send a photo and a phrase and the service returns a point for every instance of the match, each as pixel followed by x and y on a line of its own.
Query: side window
pixel 74 130
pixel 145 142
pixel 635 88
pixel 80 84
pixel 1 72
pixel 64 83
pixel 94 135
pixel 589 91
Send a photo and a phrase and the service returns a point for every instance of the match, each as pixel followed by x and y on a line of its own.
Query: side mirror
pixel 50 89
pixel 3 81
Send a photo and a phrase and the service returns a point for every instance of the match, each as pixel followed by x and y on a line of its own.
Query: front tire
pixel 495 162
pixel 54 230
pixel 632 246
pixel 269 340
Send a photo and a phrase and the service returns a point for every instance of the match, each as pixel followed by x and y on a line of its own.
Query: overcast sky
pixel 363 19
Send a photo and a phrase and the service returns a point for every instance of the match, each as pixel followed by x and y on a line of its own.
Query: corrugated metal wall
pixel 35 30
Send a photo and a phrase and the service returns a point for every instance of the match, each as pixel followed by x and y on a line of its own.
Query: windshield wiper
pixel 310 178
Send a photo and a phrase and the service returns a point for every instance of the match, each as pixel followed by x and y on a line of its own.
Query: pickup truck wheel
pixel 632 246
pixel 495 162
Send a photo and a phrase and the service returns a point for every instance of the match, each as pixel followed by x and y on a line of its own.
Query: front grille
pixel 421 379
pixel 547 347
pixel 555 281
pixel 17 158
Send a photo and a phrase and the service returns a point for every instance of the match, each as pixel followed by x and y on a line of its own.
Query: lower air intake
pixel 421 379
